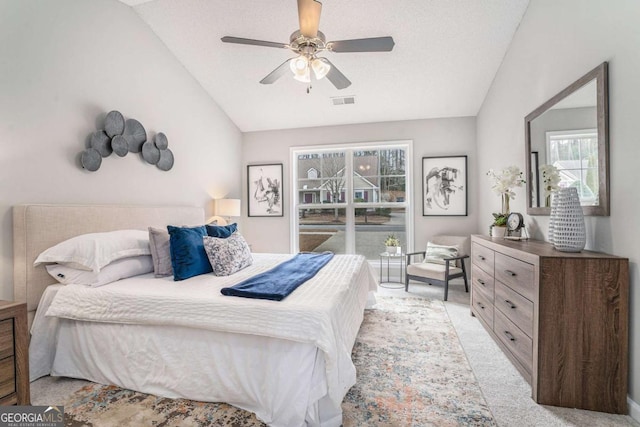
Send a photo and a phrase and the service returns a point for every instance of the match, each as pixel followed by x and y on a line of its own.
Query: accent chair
pixel 443 260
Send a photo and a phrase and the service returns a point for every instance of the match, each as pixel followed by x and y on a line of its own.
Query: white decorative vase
pixel 392 250
pixel 569 232
pixel 552 216
pixel 498 231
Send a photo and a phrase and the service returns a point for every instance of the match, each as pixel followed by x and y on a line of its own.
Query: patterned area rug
pixel 411 368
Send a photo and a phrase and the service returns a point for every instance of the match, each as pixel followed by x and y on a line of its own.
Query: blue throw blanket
pixel 277 283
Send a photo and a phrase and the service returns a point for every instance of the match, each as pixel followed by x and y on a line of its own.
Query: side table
pixel 398 259
pixel 14 357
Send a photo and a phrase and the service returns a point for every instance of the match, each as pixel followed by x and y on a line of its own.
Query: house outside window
pixel 575 154
pixel 349 198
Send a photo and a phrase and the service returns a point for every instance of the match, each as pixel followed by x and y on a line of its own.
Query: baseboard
pixel 634 409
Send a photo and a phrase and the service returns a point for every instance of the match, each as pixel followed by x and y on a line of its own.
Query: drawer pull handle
pixel 510 304
pixel 481 282
pixel 511 337
pixel 481 258
pixel 480 305
pixel 510 273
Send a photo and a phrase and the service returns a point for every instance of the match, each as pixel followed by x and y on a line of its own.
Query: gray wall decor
pixel 122 136
pixel 135 135
pixel 91 159
pixel 101 142
pixel 120 145
pixel 114 123
pixel 150 153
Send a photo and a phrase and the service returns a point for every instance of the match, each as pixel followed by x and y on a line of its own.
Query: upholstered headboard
pixel 38 227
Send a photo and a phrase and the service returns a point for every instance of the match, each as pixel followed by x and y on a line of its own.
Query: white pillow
pixel 160 252
pixel 120 269
pixel 95 250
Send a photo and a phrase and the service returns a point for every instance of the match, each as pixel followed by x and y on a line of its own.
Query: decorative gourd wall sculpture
pixel 122 136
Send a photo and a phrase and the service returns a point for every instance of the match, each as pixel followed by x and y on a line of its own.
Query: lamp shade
pixel 300 68
pixel 227 207
pixel 320 68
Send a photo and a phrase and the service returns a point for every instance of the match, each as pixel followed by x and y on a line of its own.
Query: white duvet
pixel 326 311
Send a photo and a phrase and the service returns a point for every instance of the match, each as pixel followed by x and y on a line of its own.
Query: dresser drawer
pixel 482 257
pixel 516 274
pixel 7 377
pixel 482 307
pixel 518 343
pixel 6 338
pixel 482 281
pixel 516 307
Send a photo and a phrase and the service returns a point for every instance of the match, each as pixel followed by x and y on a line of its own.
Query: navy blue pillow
pixel 188 257
pixel 221 231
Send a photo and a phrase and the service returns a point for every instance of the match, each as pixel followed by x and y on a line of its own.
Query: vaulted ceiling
pixel 446 55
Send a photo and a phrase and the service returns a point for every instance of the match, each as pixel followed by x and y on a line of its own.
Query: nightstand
pixel 14 355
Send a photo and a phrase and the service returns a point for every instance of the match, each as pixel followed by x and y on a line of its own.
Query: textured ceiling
pixel 446 55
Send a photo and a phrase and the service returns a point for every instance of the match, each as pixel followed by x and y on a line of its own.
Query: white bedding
pixel 324 313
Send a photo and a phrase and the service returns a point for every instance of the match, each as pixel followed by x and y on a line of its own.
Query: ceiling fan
pixel 308 42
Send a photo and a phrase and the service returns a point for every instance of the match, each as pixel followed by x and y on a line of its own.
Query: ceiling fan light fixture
pixel 304 77
pixel 320 68
pixel 299 65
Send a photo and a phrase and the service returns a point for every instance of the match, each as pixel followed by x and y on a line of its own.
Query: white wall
pixel 437 137
pixel 63 65
pixel 558 42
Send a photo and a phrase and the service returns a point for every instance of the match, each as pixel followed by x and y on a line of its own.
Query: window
pixel 575 154
pixel 348 199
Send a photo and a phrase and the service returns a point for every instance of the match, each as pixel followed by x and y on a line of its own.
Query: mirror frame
pixel 601 74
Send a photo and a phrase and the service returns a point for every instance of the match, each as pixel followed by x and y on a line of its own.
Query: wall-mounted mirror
pixel 571 133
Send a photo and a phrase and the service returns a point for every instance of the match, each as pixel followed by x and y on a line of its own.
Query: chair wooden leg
pixel 406 283
pixel 464 275
pixel 446 290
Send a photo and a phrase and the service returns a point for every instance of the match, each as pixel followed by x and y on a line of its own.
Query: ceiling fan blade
pixel 373 44
pixel 239 40
pixel 277 73
pixel 339 80
pixel 309 17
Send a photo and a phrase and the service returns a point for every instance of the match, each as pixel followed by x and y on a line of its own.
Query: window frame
pixel 349 193
pixel 573 134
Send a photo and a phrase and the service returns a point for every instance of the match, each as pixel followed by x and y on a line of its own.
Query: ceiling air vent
pixel 343 100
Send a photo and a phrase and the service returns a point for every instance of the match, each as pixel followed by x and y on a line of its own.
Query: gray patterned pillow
pixel 227 255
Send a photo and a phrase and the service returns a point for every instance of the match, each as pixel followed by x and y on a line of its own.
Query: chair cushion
pixel 431 271
pixel 437 253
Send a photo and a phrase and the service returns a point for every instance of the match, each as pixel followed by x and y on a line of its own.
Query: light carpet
pixel 411 368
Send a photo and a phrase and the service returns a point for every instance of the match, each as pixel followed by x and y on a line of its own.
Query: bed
pixel 288 361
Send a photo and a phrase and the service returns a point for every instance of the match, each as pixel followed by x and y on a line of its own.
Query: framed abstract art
pixel 264 184
pixel 444 186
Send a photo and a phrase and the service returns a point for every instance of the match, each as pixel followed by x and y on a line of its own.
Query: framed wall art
pixel 444 186
pixel 264 184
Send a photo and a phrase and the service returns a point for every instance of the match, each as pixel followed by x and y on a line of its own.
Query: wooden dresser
pixel 561 318
pixel 14 358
